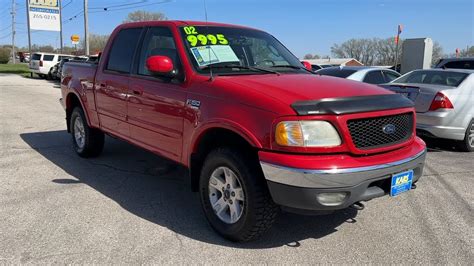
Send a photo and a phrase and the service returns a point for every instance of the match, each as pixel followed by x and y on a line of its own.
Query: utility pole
pixel 13 32
pixel 60 26
pixel 29 32
pixel 86 28
pixel 397 41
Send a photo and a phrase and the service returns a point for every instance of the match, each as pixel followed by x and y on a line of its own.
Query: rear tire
pixel 240 209
pixel 467 144
pixel 86 141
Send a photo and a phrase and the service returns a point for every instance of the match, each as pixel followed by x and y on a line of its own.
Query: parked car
pixel 257 131
pixel 372 75
pixel 457 63
pixel 53 72
pixel 42 63
pixel 444 102
pixel 316 67
pixel 64 60
pixel 24 57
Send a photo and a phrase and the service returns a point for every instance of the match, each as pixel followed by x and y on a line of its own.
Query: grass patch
pixel 21 69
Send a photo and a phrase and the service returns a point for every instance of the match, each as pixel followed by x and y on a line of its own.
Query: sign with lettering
pixel 44 15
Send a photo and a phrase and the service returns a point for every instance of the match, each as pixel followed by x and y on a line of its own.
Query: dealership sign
pixel 75 39
pixel 44 15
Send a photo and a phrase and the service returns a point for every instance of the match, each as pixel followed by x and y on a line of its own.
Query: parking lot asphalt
pixel 130 206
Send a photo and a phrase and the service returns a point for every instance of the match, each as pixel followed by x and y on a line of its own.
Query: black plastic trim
pixel 348 105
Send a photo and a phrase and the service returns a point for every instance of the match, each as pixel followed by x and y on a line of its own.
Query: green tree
pixel 5 55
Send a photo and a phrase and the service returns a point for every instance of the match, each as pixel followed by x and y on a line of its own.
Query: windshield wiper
pixel 241 67
pixel 294 67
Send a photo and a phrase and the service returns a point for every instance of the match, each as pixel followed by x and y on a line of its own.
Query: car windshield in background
pixel 237 51
pixel 36 57
pixel 444 78
pixel 336 72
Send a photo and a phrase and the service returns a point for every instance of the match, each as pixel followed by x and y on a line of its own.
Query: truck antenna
pixel 211 76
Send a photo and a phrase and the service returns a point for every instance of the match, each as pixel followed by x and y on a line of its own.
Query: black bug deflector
pixel 348 105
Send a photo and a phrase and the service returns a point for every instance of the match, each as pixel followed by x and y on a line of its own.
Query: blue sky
pixel 304 26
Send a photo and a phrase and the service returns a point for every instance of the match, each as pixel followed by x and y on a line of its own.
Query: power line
pixel 65 21
pixel 66 5
pixel 6 27
pixel 115 8
pixel 120 5
pixel 5 36
pixel 110 9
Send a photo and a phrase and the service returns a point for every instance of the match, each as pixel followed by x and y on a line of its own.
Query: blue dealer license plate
pixel 401 183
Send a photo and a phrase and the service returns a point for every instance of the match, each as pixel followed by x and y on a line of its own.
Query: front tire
pixel 86 141
pixel 234 196
pixel 467 144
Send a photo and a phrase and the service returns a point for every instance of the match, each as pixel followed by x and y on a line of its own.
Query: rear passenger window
pixel 389 76
pixel 460 64
pixel 36 57
pixel 374 77
pixel 123 49
pixel 48 57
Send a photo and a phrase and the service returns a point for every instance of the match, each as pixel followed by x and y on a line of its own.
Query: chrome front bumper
pixel 297 190
pixel 338 178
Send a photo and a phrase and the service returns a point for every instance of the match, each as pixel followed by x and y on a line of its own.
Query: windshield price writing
pixel 194 38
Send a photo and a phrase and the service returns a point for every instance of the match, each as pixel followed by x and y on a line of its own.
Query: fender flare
pixel 78 96
pixel 221 124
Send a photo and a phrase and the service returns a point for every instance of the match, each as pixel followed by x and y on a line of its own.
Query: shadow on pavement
pixel 157 190
pixel 438 145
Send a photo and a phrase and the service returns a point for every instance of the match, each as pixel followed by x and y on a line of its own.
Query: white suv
pixel 42 63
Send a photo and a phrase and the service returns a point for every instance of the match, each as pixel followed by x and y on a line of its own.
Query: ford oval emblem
pixel 389 129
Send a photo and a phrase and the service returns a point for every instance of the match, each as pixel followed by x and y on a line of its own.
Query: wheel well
pixel 212 139
pixel 71 102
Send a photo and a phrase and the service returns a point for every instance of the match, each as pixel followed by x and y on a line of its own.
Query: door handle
pixel 137 92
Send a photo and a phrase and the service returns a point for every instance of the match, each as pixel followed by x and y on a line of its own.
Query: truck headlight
pixel 306 134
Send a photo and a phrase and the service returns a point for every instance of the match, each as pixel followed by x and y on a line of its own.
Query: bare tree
pixel 42 48
pixel 468 52
pixel 311 56
pixel 361 49
pixel 437 53
pixel 97 43
pixel 376 51
pixel 142 15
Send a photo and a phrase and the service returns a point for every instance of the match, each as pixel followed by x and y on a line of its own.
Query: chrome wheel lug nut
pixel 233 194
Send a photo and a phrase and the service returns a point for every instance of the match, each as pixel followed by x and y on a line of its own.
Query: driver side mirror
pixel 161 65
pixel 307 65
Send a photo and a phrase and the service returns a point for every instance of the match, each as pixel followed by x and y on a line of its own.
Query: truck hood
pixel 290 88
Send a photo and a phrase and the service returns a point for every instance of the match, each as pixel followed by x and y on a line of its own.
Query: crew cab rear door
pixel 156 104
pixel 112 81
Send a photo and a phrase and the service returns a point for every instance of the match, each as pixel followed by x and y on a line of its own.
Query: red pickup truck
pixel 258 132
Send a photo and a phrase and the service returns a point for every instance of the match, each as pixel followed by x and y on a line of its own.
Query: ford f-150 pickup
pixel 258 132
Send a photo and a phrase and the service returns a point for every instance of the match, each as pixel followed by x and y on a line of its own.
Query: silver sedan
pixel 367 74
pixel 444 102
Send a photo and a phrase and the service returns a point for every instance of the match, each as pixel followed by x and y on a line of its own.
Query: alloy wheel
pixel 79 132
pixel 226 195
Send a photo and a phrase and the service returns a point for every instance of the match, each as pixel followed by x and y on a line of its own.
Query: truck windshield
pixel 229 51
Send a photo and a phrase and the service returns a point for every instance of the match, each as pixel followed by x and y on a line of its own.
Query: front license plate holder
pixel 401 182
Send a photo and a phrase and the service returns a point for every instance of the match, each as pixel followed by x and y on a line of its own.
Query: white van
pixel 42 63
